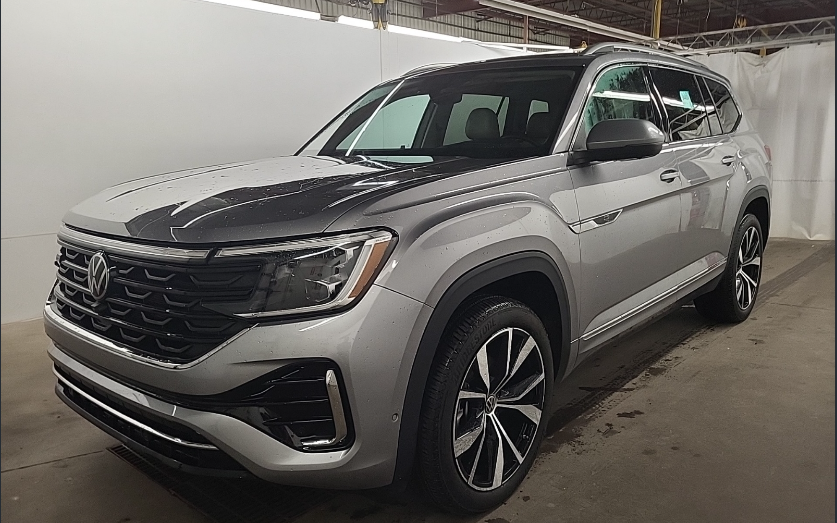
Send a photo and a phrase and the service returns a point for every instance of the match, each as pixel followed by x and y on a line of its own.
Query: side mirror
pixel 624 139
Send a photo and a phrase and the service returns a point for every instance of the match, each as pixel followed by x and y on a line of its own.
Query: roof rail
pixel 612 47
pixel 425 69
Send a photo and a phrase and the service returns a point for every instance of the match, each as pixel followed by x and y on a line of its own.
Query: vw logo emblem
pixel 98 275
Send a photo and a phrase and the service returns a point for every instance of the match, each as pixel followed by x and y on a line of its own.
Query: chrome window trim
pixel 64 382
pixel 589 92
pixel 140 250
pixel 650 63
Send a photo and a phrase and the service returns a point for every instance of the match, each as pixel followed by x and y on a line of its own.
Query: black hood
pixel 274 198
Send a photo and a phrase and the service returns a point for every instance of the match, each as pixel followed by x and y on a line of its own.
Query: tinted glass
pixel 621 92
pixel 455 132
pixel 394 127
pixel 711 112
pixel 683 102
pixel 481 114
pixel 727 110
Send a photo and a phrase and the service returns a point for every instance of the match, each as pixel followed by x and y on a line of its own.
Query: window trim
pixel 684 70
pixel 659 96
pixel 589 94
pixel 704 89
pixel 734 102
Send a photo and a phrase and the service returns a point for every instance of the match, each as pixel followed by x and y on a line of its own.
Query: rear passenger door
pixel 629 216
pixel 707 159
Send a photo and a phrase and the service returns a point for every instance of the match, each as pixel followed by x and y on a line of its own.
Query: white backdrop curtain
pixel 789 98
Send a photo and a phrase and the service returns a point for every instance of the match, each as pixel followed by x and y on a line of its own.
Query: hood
pixel 274 198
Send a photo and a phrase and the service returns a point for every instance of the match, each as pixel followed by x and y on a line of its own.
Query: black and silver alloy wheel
pixel 498 409
pixel 748 270
pixel 484 404
pixel 734 297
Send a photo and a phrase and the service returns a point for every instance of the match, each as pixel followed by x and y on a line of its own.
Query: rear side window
pixel 711 110
pixel 621 92
pixel 683 102
pixel 727 110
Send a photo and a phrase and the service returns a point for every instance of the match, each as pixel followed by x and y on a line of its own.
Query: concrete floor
pixel 683 421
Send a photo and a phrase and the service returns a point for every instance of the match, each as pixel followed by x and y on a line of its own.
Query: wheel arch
pixel 484 277
pixel 757 202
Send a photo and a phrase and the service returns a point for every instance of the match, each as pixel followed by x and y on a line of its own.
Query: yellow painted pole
pixel 655 20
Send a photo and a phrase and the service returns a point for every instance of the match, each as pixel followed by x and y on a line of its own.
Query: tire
pixel 733 299
pixel 462 476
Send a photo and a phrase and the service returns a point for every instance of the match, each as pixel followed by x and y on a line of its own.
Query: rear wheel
pixel 734 297
pixel 482 416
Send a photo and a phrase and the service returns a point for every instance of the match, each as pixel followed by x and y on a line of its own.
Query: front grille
pixel 155 309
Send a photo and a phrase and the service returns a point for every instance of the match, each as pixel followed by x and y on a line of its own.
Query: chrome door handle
pixel 727 160
pixel 669 176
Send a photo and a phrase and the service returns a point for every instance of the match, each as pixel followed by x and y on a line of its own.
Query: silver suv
pixel 404 292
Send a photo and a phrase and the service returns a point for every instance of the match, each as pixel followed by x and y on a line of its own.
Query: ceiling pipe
pixel 572 21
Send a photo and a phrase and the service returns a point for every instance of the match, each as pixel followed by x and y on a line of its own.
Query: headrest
pixel 482 125
pixel 539 126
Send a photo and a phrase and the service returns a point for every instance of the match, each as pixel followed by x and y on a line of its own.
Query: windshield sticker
pixel 686 99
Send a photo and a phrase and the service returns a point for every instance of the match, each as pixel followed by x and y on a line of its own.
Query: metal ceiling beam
pixel 571 21
pixel 758 36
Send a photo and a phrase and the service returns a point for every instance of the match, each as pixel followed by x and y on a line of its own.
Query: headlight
pixel 309 275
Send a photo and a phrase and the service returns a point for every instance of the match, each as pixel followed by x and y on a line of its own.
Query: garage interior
pixel 683 420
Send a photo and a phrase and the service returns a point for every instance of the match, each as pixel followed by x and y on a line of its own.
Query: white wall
pixel 96 92
pixel 789 97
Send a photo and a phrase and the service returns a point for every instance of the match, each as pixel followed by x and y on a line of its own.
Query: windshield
pixel 500 113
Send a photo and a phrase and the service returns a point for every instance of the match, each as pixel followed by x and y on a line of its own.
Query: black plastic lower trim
pixel 192 460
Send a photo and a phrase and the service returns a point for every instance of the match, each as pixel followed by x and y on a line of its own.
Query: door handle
pixel 727 160
pixel 669 176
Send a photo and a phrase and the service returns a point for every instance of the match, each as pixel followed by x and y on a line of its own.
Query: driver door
pixel 629 216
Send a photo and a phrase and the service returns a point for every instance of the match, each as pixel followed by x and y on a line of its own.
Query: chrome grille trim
pixel 171 254
pixel 152 307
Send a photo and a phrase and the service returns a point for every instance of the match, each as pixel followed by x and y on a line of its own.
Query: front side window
pixel 621 92
pixel 727 110
pixel 683 102
pixel 502 113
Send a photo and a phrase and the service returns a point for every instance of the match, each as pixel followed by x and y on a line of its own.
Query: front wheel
pixel 482 418
pixel 734 297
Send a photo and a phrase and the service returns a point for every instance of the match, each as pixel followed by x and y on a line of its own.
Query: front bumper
pixel 373 345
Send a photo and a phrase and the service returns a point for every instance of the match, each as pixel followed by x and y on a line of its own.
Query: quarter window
pixel 621 92
pixel 683 102
pixel 727 110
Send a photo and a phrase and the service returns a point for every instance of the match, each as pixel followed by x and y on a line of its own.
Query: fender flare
pixel 454 296
pixel 759 191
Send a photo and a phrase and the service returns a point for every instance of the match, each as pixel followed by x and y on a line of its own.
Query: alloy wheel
pixel 748 268
pixel 498 409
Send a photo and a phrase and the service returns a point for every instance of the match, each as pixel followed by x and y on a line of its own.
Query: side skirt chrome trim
pixel 650 303
pixel 128 419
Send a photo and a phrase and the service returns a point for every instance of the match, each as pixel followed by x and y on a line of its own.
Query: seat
pixel 482 125
pixel 539 127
